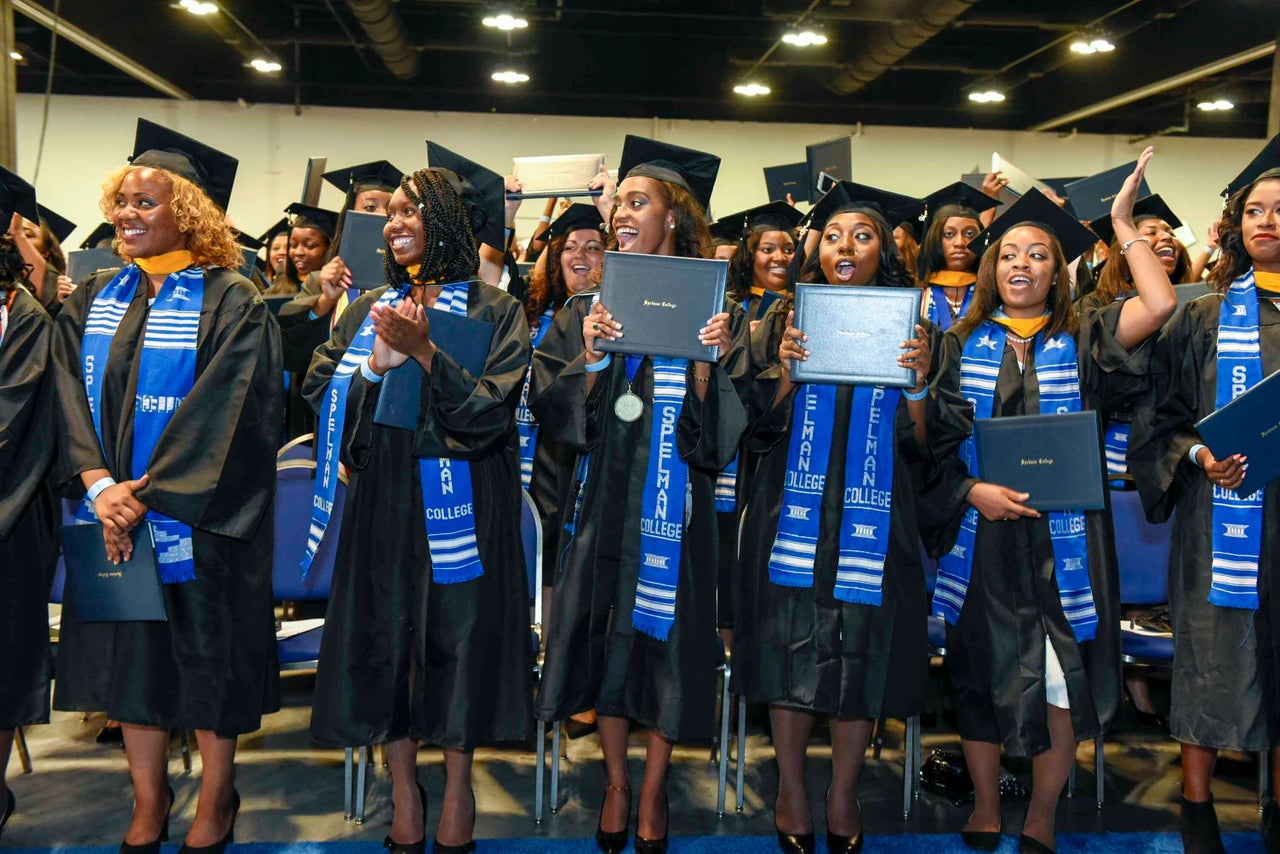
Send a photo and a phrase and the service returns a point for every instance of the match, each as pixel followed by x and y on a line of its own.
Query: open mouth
pixel 581 269
pixel 777 270
pixel 845 270
pixel 1166 252
pixel 402 241
pixel 1020 280
pixel 627 235
pixel 132 231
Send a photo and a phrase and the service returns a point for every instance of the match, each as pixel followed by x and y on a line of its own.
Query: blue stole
pixel 448 508
pixel 727 486
pixel 867 492
pixel 166 373
pixel 662 506
pixel 1058 374
pixel 1117 442
pixel 1237 519
pixel 526 424
pixel 939 310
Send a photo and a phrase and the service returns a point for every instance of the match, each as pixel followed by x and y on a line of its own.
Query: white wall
pixel 88 137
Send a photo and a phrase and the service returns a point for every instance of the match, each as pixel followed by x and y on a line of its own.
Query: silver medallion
pixel 628 407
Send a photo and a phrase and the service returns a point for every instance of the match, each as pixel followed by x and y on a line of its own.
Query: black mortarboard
pixel 1151 207
pixel 1035 208
pixel 281 225
pixel 960 194
pixel 578 216
pixel 207 168
pixel 847 194
pixel 693 170
pixel 483 193
pixel 774 215
pixel 378 175
pixel 248 242
pixel 104 231
pixel 1268 158
pixel 58 224
pixel 307 216
pixel 16 196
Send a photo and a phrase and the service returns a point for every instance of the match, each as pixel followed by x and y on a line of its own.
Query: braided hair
pixel 449 252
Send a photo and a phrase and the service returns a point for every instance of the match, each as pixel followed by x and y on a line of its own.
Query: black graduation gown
pixel 996 650
pixel 301 334
pixel 28 517
pixel 213 665
pixel 1225 679
pixel 801 647
pixel 401 656
pixel 552 475
pixel 595 658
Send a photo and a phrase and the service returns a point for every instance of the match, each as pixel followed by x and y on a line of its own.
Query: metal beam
pixel 1160 86
pixel 98 48
pixel 8 94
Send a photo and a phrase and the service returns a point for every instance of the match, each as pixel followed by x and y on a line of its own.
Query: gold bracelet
pixel 1128 243
pixel 697 379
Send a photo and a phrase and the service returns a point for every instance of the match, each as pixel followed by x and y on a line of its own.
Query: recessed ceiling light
pixel 752 89
pixel 989 97
pixel 198 7
pixel 804 38
pixel 505 21
pixel 266 66
pixel 1086 46
pixel 15 56
pixel 1214 106
pixel 510 76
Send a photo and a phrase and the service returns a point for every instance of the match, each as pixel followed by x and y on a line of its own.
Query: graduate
pixel 28 515
pixel 630 641
pixel 812 640
pixel 427 630
pixel 168 384
pixel 1225 677
pixel 47 234
pixel 761 268
pixel 1030 599
pixel 946 266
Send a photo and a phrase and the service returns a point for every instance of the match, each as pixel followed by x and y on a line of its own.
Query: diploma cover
pixel 99 591
pixel 465 339
pixel 855 334
pixel 1248 425
pixel 662 303
pixel 1055 458
pixel 83 263
pixel 362 249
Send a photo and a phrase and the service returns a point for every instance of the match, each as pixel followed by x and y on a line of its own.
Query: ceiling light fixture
pixel 752 90
pixel 198 7
pixel 510 76
pixel 266 66
pixel 505 21
pixel 1086 46
pixel 15 56
pixel 990 96
pixel 1215 106
pixel 804 37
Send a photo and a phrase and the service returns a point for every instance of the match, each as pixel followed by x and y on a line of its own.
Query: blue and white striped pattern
pixel 1237 519
pixel 868 482
pixel 1116 445
pixel 795 545
pixel 526 424
pixel 662 506
pixel 727 487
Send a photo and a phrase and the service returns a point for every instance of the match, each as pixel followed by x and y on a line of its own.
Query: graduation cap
pixel 58 224
pixel 1268 158
pixel 958 194
pixel 16 196
pixel 1035 208
pixel 279 227
pixel 105 231
pixel 577 217
pixel 248 242
pixel 483 192
pixel 378 175
pixel 1151 207
pixel 207 168
pixel 727 231
pixel 847 194
pixel 308 216
pixel 778 216
pixel 693 170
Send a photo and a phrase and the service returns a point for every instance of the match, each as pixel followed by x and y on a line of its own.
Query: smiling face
pixel 643 220
pixel 849 251
pixel 772 260
pixel 581 257
pixel 403 231
pixel 307 248
pixel 143 214
pixel 957 233
pixel 371 202
pixel 277 252
pixel 1260 226
pixel 1163 242
pixel 1025 271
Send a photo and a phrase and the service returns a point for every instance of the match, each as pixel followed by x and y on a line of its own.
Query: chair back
pixel 1142 550
pixel 300 448
pixel 295 483
pixel 531 537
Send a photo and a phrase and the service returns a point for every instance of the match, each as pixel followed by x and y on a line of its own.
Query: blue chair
pixel 300 448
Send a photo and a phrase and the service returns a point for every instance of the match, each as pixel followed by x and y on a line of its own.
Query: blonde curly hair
pixel 211 241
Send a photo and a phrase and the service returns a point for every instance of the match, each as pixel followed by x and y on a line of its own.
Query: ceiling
pixel 672 59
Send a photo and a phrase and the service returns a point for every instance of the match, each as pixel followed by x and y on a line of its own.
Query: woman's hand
pixel 604 202
pixel 1122 205
pixel 1228 473
pixel 716 333
pixel 791 348
pixel 404 332
pixel 512 206
pixel 993 183
pixel 117 508
pixel 1211 237
pixel 598 325
pixel 66 288
pixel 335 278
pixel 918 358
pixel 119 544
pixel 1000 504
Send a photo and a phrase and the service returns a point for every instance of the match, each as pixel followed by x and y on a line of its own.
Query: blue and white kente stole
pixel 1237 519
pixel 867 493
pixel 166 374
pixel 939 310
pixel 1058 374
pixel 1117 442
pixel 662 506
pixel 526 424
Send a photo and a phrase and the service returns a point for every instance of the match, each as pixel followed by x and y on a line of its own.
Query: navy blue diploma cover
pixel 855 334
pixel 662 303
pixel 465 340
pixel 83 263
pixel 1248 425
pixel 1055 458
pixel 362 249
pixel 99 591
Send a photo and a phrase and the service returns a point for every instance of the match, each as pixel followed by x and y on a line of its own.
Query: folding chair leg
pixel 185 749
pixel 348 767
pixel 908 762
pixel 555 768
pixel 1071 779
pixel 24 755
pixel 1099 768
pixel 917 756
pixel 877 737
pixel 741 759
pixel 540 771
pixel 362 768
pixel 724 742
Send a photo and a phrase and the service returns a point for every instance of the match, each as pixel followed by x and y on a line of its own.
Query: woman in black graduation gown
pixel 1033 643
pixel 603 649
pixel 807 644
pixel 416 648
pixel 1226 686
pixel 946 265
pixel 28 518
pixel 208 484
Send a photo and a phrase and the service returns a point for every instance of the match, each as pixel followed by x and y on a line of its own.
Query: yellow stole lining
pixel 953 278
pixel 163 265
pixel 1268 284
pixel 757 292
pixel 1023 327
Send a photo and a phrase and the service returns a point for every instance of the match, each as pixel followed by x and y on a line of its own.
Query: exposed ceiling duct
pixel 381 23
pixel 892 42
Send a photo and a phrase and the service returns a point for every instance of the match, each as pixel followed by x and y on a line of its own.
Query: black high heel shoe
pixel 466 848
pixel 981 840
pixel 793 843
pixel 152 847
pixel 1030 845
pixel 659 845
pixel 221 845
pixel 1270 826
pixel 613 841
pixel 10 804
pixel 838 844
pixel 413 847
pixel 1199 826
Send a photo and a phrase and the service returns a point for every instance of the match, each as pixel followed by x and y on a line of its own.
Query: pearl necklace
pixel 1018 339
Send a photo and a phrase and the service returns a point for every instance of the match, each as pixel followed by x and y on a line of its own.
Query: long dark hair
pixel 693 237
pixel 930 259
pixel 1235 260
pixel 1116 277
pixel 986 294
pixel 547 288
pixel 891 273
pixel 449 252
pixel 13 267
pixel 742 266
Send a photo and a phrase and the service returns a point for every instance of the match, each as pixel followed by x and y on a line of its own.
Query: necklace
pixel 1018 339
pixel 956 304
